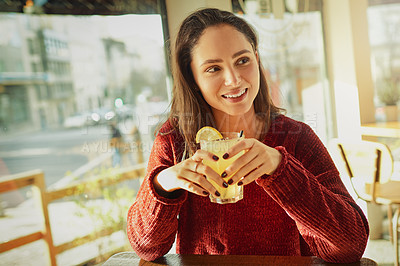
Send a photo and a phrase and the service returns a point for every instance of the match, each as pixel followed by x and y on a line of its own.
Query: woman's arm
pixel 307 186
pixel 152 219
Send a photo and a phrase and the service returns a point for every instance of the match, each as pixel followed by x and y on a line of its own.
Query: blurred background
pixel 84 85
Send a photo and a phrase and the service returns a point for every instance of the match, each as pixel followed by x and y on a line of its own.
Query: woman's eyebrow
pixel 240 53
pixel 212 61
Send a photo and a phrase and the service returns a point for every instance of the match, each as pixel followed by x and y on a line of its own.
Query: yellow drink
pixel 232 193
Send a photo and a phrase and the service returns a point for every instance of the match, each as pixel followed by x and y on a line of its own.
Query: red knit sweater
pixel 303 208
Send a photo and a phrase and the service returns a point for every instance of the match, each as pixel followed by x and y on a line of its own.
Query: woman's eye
pixel 243 60
pixel 212 69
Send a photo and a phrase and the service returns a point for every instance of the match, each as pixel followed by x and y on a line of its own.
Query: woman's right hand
pixel 190 175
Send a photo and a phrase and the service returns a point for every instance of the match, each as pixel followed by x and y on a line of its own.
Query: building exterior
pixel 52 67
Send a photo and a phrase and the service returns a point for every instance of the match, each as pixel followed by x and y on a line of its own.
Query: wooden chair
pixel 370 168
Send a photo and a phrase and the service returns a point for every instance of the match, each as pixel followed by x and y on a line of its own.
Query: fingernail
pixel 225 156
pixel 215 158
pixel 205 192
pixel 217 194
pixel 225 185
pixel 230 181
pixel 224 174
pixel 240 183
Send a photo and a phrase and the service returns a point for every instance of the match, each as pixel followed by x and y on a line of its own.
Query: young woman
pixel 294 202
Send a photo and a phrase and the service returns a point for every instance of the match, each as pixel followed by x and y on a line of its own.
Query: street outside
pixel 60 154
pixel 55 152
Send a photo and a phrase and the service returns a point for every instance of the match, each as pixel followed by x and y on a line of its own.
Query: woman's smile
pixel 236 95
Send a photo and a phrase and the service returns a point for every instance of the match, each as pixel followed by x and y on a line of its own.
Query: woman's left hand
pixel 259 159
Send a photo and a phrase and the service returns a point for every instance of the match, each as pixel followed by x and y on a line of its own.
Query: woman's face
pixel 225 67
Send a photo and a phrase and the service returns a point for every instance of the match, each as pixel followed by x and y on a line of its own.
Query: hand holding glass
pixel 232 193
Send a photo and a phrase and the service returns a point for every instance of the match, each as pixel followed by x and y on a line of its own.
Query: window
pixel 384 39
pixel 292 52
pixel 58 101
pixel 384 36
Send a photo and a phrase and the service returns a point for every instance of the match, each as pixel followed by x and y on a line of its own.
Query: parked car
pixel 78 120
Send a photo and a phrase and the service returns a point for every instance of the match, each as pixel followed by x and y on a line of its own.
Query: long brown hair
pixel 189 110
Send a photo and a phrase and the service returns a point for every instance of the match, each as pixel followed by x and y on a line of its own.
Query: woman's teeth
pixel 235 95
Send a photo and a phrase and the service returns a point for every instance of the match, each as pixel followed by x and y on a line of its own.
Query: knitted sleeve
pixel 307 186
pixel 152 220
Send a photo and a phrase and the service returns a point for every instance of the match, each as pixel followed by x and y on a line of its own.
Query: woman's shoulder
pixel 296 136
pixel 167 129
pixel 169 139
pixel 284 124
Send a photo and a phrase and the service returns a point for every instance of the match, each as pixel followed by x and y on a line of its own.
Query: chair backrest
pixel 367 162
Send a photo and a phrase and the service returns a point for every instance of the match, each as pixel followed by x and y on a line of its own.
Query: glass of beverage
pixel 232 193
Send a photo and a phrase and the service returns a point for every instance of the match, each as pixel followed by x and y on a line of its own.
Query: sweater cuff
pixel 287 180
pixel 181 195
pixel 266 180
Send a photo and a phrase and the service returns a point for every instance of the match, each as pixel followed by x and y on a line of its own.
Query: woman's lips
pixel 236 97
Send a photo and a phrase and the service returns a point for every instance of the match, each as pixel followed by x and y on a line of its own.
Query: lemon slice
pixel 208 133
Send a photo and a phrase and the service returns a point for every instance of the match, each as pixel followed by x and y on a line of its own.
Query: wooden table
pixel 381 129
pixel 131 259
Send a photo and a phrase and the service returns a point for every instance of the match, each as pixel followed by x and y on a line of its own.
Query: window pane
pixel 384 36
pixel 63 81
pixel 292 52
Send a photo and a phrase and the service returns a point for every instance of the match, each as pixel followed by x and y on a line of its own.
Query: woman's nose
pixel 232 77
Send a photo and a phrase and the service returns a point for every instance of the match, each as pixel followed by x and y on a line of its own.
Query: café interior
pixel 333 64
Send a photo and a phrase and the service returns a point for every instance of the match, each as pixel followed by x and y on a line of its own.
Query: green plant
pixel 105 205
pixel 388 92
